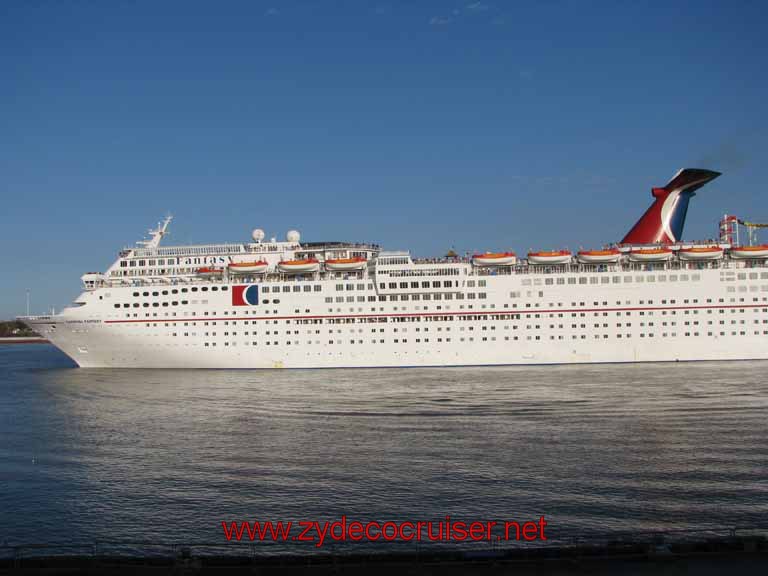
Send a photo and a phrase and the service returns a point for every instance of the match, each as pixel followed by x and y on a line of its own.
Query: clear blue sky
pixel 420 125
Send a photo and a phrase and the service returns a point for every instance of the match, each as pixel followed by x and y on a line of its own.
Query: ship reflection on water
pixel 143 454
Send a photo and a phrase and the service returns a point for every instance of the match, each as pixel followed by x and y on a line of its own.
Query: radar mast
pixel 156 234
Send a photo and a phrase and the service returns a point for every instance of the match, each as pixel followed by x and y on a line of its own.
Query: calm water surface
pixel 167 455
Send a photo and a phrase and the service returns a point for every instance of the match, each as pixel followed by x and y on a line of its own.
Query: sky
pixel 417 125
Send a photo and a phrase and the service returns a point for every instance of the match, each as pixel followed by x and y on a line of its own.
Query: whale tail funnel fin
pixel 663 222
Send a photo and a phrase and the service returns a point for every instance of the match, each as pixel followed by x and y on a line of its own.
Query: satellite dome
pixel 293 236
pixel 257 234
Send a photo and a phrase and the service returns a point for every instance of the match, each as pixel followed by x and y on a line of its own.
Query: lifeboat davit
pixel 554 257
pixel 650 255
pixel 598 256
pixel 701 253
pixel 495 259
pixel 299 266
pixel 744 252
pixel 346 263
pixel 257 267
pixel 208 272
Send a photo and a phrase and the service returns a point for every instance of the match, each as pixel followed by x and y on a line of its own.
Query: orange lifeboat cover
pixel 495 255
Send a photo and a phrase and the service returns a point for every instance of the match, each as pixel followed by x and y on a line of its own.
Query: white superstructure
pixel 189 307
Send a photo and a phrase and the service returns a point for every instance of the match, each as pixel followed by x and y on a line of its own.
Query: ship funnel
pixel 663 222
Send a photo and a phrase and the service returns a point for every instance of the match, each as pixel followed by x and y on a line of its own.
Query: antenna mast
pixel 156 234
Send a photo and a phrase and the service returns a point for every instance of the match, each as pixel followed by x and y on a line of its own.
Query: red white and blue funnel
pixel 663 222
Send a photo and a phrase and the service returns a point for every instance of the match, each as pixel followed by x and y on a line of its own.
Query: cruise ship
pixel 290 304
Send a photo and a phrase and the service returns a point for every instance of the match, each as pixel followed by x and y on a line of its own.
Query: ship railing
pixel 458 260
pixel 522 268
pixel 229 279
pixel 338 245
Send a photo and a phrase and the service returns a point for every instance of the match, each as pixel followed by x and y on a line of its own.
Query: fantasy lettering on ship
pixel 651 297
pixel 209 260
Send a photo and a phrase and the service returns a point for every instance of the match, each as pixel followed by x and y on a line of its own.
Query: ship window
pixel 135 293
pixel 204 289
pixel 184 290
pixel 117 305
pixel 194 289
pixel 224 288
pixel 214 288
pixel 145 294
pixel 286 288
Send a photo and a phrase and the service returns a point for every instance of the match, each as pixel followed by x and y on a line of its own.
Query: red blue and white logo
pixel 245 295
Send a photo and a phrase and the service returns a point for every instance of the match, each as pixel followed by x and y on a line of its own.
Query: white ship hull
pixel 522 319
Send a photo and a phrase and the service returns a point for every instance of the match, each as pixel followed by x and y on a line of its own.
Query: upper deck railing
pixel 245 248
pixel 522 267
pixel 204 250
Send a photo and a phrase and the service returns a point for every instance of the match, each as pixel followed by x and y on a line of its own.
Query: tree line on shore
pixel 14 328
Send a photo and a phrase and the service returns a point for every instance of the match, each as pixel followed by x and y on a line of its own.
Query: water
pixel 167 455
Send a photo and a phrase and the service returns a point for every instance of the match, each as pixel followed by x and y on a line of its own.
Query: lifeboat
pixel 257 267
pixel 299 266
pixel 495 259
pixel 650 255
pixel 339 264
pixel 598 256
pixel 554 257
pixel 701 253
pixel 743 252
pixel 208 272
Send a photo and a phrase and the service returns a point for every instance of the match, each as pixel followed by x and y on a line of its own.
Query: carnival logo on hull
pixel 245 295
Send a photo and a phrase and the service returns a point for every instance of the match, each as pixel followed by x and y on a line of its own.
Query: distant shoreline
pixel 23 340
